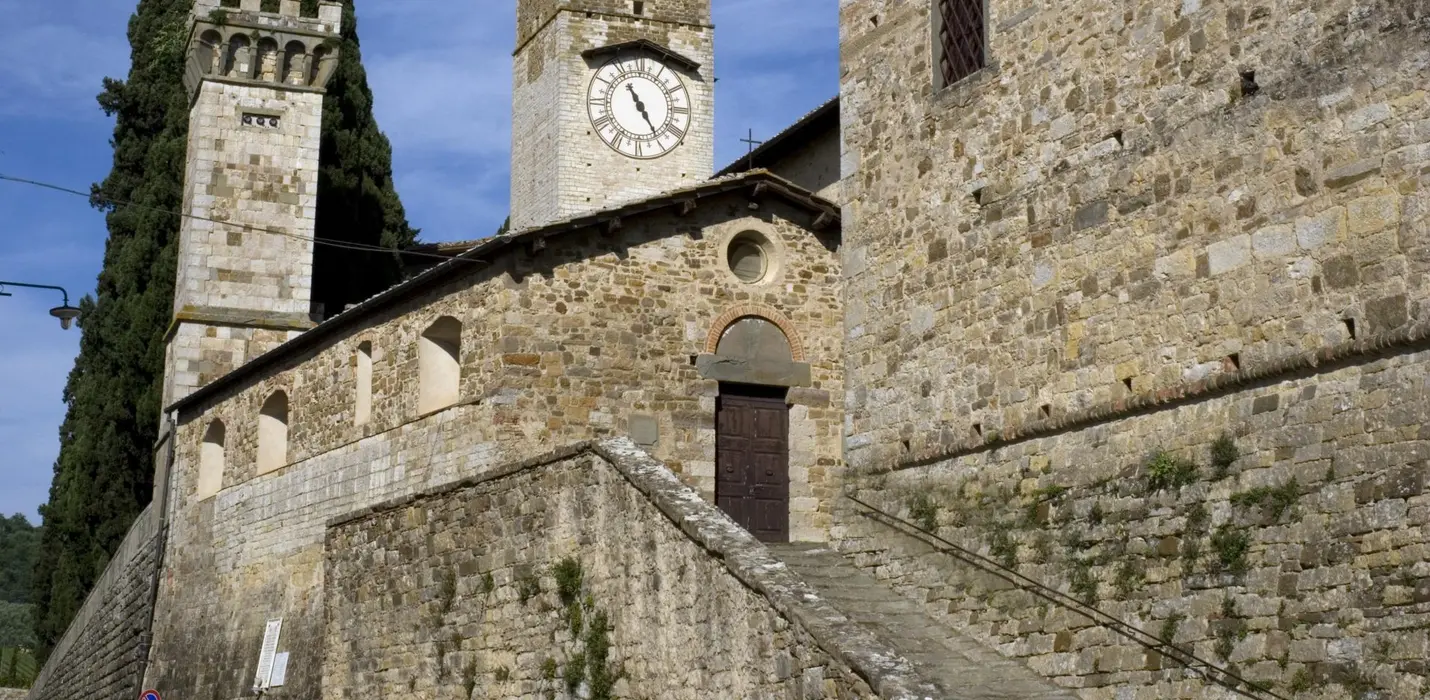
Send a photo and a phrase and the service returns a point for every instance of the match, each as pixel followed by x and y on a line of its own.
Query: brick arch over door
pixel 721 324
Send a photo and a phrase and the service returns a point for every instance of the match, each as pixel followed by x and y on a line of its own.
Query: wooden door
pixel 752 460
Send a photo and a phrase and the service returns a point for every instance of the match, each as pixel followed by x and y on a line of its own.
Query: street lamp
pixel 65 313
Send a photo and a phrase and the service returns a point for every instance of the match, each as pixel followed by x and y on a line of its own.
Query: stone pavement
pixel 961 667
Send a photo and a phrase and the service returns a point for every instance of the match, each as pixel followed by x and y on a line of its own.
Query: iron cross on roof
pixel 752 143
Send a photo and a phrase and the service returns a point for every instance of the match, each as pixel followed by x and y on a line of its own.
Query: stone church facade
pixel 1070 352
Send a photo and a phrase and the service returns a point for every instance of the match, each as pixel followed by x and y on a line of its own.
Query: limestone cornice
pixel 522 43
pixel 238 318
pixel 665 52
pixel 301 55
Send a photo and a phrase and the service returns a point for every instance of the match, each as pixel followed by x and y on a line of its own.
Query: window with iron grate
pixel 960 39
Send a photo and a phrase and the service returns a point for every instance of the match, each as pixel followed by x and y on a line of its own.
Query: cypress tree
pixel 103 477
pixel 104 473
pixel 356 197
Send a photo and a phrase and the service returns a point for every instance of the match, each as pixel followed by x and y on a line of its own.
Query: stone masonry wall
pixel 561 345
pixel 1299 559
pixel 13 694
pixel 1132 196
pixel 815 166
pixel 493 588
pixel 103 652
pixel 253 161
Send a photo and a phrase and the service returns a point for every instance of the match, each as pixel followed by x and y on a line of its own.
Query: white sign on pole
pixel 280 670
pixel 267 653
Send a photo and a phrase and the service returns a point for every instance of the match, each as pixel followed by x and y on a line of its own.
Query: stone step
pixel 958 664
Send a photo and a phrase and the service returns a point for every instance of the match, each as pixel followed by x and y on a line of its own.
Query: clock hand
pixel 640 106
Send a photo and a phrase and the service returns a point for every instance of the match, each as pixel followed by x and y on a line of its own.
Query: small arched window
pixel 237 63
pixel 210 52
pixel 211 461
pixel 439 366
pixel 315 64
pixel 268 60
pixel 362 412
pixel 295 63
pixel 273 433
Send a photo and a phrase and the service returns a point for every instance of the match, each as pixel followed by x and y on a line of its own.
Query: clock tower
pixel 612 101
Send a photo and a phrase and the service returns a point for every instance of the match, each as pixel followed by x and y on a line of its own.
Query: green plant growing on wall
pixel 219 17
pixel 924 511
pixel 1168 632
pixel 1300 681
pixel 1081 582
pixel 600 673
pixel 488 583
pixel 568 577
pixel 528 586
pixel 1196 526
pixel 1273 500
pixel 1129 578
pixel 1043 545
pixel 447 590
pixel 1231 546
pixel 575 672
pixel 1165 471
pixel 1002 547
pixel 503 674
pixel 590 630
pixel 1224 454
pixel 1095 516
pixel 1230 630
pixel 1047 494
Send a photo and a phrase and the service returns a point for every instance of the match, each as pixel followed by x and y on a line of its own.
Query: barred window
pixel 961 33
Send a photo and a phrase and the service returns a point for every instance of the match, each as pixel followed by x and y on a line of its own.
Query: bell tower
pixel 612 101
pixel 255 75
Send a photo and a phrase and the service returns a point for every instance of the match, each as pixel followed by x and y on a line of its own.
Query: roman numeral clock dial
pixel 639 107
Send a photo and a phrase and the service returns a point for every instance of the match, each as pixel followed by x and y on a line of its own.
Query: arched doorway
pixel 752 474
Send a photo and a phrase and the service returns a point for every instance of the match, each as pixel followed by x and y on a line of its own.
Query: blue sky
pixel 441 76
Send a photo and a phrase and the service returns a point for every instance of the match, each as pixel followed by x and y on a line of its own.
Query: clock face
pixel 639 106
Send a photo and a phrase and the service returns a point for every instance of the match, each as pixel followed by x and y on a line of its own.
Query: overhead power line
pixel 110 201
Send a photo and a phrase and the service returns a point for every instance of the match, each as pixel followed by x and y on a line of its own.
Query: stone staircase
pixel 961 667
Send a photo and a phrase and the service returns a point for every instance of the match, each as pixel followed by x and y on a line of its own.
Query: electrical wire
pixel 346 245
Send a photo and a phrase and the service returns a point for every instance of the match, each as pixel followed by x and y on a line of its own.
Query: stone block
pixel 1316 231
pixel 1370 215
pixel 644 430
pixel 1273 242
pixel 1230 254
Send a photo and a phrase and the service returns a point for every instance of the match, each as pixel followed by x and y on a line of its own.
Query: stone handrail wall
pixel 13 694
pixel 1276 529
pixel 103 652
pixel 481 555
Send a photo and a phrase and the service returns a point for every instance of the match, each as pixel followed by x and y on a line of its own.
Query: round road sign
pixel 150 695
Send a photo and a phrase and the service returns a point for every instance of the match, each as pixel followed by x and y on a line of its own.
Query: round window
pixel 747 259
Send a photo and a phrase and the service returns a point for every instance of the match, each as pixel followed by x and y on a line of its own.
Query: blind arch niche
pixel 273 433
pixel 439 366
pixel 211 461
